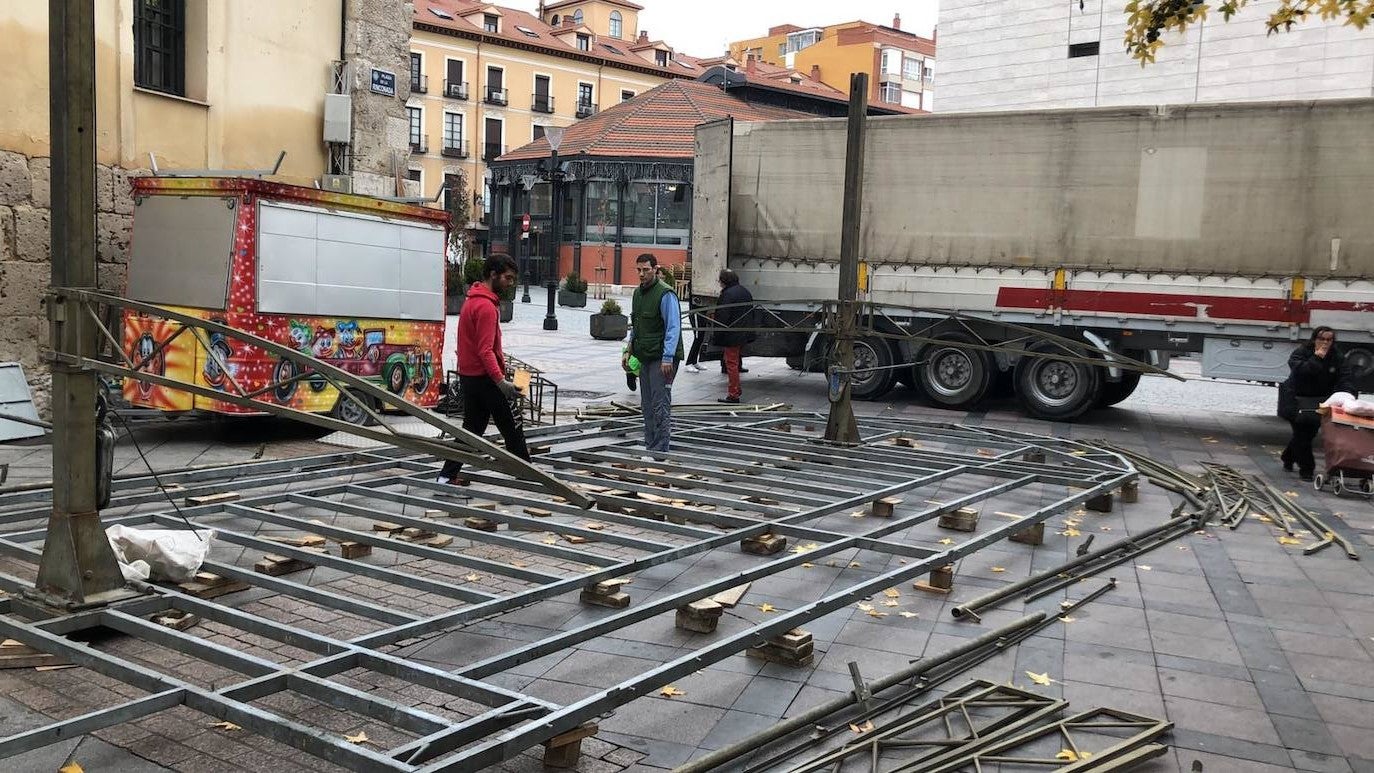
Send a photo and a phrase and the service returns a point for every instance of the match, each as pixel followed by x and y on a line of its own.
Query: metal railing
pixel 419 144
pixel 454 149
pixel 542 103
pixel 497 96
pixel 492 150
pixel 419 85
pixel 456 89
pixel 585 109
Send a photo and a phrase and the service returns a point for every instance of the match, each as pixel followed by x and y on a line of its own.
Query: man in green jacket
pixel 656 340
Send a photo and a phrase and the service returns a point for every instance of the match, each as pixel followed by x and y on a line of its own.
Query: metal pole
pixel 78 567
pixel 840 427
pixel 555 231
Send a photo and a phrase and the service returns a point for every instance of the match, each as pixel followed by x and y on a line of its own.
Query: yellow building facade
pixel 488 79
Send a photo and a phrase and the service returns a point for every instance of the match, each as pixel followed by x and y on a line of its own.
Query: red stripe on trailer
pixel 1250 308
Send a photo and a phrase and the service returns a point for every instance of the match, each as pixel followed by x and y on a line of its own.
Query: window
pixel 892 61
pixel 538 132
pixel 496 87
pixel 491 23
pixel 584 42
pixel 657 213
pixel 911 68
pixel 584 96
pixel 1077 50
pixel 929 72
pixel 451 183
pixel 417 73
pixel 453 135
pixel 160 45
pixel 662 58
pixel 626 95
pixel 554 21
pixel 542 102
pixel 796 41
pixel 441 13
pixel 415 175
pixel 491 137
pixel 892 93
pixel 454 85
pixel 417 127
pixel 527 32
pixel 577 16
pixel 782 50
pixel 613 49
pixel 603 211
pixel 617 24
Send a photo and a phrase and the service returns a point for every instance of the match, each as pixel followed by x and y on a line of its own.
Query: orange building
pixel 901 65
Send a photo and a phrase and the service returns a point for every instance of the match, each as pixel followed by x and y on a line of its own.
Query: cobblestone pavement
pixel 1260 656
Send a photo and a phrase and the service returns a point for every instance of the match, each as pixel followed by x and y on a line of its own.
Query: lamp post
pixel 554 134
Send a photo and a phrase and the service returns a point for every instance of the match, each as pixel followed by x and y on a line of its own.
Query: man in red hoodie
pixel 487 395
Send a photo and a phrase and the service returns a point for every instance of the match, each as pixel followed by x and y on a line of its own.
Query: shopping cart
pixel 1348 450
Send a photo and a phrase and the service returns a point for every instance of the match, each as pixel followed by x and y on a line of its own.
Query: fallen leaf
pixel 876 613
pixel 594 526
pixel 766 607
pixel 892 593
pixel 670 692
pixel 854 564
pixel 519 564
pixel 550 541
pixel 71 767
pixel 472 577
pixel 892 603
pixel 1328 535
pixel 1071 533
pixel 857 514
pixel 998 569
pixel 361 737
pixel 946 541
pixel 1292 494
pixel 1040 679
pixel 1078 453
pixel 861 729
pixel 832 562
pixel 225 725
pixel 865 607
pixel 1142 567
pixel 1289 541
pixel 1067 619
pixel 1105 528
pixel 985 452
pixel 913 614
pixel 1068 755
pixel 1013 516
pixel 808 565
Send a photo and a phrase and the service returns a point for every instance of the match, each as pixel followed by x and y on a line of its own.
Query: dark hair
pixel 1316 332
pixel 646 257
pixel 499 263
pixel 728 278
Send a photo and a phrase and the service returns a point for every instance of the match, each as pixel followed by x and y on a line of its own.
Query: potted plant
pixel 573 292
pixel 508 304
pixel 454 287
pixel 610 324
pixel 668 275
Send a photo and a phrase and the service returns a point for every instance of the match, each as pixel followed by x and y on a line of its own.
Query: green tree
pixel 1146 22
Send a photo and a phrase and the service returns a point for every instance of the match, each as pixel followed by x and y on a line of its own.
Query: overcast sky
pixel 704 27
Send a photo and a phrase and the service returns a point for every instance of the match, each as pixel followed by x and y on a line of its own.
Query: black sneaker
pixel 631 381
pixel 1305 474
pixel 731 400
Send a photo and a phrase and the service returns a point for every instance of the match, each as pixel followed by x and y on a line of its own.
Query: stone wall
pixel 25 256
pixel 377 34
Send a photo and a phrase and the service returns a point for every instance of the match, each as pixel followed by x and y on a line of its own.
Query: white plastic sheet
pixel 174 555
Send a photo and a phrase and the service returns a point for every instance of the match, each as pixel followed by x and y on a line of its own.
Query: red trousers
pixel 732 354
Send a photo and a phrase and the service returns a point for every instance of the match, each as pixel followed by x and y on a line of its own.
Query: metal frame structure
pixel 680 506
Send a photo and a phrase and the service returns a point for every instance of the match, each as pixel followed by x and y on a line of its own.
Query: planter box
pixel 609 327
pixel 572 299
pixel 507 311
pixel 453 304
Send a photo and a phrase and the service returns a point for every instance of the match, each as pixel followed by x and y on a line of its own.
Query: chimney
pixel 749 64
pixel 643 36
pixel 896 21
pixel 816 73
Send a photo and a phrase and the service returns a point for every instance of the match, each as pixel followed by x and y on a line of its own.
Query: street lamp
pixel 554 134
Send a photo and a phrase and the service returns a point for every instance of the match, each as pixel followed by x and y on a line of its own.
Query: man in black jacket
pixel 738 313
pixel 1316 371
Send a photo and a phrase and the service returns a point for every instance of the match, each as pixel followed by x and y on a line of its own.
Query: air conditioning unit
pixel 338 118
pixel 338 183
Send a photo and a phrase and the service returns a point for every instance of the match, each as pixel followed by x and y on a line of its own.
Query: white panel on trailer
pixel 711 205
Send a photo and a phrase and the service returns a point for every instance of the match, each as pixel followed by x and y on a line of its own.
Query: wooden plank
pixel 730 598
pixel 212 499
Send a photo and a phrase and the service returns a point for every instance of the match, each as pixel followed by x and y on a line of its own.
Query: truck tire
pixel 953 376
pixel 1054 389
pixel 872 353
pixel 1114 392
pixel 348 409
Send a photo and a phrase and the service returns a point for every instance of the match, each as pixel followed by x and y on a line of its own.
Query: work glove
pixel 509 390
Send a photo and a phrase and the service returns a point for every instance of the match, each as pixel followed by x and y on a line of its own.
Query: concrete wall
pixel 1013 55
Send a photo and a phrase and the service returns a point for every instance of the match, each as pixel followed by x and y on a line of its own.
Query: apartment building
pixel 485 79
pixel 1042 54
pixel 900 64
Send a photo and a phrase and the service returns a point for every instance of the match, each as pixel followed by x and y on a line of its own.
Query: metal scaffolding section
pixel 417 560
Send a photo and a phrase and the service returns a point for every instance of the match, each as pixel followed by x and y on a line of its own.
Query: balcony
pixel 456 89
pixel 454 149
pixel 497 96
pixel 542 103
pixel 419 145
pixel 419 85
pixel 490 151
pixel 585 109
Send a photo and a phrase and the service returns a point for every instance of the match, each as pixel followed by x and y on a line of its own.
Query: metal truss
pixel 465 446
pixel 728 478
pixel 894 322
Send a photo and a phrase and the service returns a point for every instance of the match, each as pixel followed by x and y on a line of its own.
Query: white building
pixel 1039 54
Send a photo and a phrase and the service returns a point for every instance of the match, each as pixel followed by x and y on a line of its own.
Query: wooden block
pixel 922 585
pixel 762 500
pixel 564 751
pixel 699 616
pixel 438 541
pixel 904 442
pixel 1031 535
pixel 387 527
pixel 963 519
pixel 414 534
pixel 436 513
pixel 350 549
pixel 1038 457
pixel 176 619
pixel 14 654
pixel 763 544
pixel 576 539
pixel 538 512
pixel 1130 491
pixel 212 499
pixel 308 541
pixel 607 587
pixel 537 450
pixel 275 566
pixel 1100 504
pixel 883 508
pixel 209 586
pixel 484 505
pixel 730 598
pixel 794 648
pixel 942 577
pixel 612 600
pixel 480 524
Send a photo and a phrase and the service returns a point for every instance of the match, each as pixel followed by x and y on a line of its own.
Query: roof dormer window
pixel 662 58
pixel 584 42
pixel 491 22
pixel 617 24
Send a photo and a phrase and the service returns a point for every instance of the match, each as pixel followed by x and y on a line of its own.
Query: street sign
pixel 383 82
pixel 525 223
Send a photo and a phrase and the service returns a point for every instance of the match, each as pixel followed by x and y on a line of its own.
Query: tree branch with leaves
pixel 1146 22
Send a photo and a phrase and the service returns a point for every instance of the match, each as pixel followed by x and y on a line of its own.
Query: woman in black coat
pixel 1316 371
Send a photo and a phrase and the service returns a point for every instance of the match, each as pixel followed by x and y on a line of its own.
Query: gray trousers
pixel 656 401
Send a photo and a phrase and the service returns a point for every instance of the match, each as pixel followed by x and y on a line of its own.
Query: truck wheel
pixel 349 408
pixel 871 353
pixel 1055 389
pixel 953 376
pixel 1114 392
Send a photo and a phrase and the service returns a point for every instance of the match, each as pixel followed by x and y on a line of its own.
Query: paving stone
pixel 1354 741
pixel 767 696
pixel 1212 689
pixel 665 719
pixel 734 726
pixel 1243 724
pixel 1305 734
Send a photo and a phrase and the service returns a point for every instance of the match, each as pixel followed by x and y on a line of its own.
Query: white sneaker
pixel 441 479
pixel 695 368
